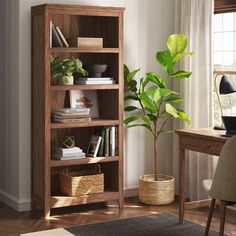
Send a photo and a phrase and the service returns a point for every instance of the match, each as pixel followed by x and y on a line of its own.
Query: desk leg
pixel 181 183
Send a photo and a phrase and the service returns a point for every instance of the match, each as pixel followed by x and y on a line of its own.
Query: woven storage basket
pixel 159 192
pixel 82 182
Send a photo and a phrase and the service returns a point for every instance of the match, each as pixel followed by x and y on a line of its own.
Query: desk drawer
pixel 203 145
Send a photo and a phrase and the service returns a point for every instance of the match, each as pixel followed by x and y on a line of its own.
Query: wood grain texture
pixel 222 6
pixel 75 21
pixel 13 223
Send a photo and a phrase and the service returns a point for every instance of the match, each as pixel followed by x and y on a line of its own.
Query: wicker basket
pixel 82 182
pixel 160 192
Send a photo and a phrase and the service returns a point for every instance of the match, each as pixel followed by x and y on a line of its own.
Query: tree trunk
pixel 155 156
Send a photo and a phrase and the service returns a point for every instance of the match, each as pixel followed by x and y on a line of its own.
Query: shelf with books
pixel 87 160
pixel 84 87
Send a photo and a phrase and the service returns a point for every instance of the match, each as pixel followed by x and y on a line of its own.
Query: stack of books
pixel 95 80
pixel 72 115
pixel 68 153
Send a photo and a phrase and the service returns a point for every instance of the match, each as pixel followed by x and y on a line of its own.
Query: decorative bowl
pixel 95 70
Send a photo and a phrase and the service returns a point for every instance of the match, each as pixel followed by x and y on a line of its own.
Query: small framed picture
pixel 94 145
pixel 85 99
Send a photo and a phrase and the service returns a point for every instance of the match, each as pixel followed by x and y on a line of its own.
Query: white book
pixel 72 110
pixel 95 82
pixel 50 34
pixel 67 150
pixel 96 79
pixel 68 158
pixel 112 149
pixel 63 39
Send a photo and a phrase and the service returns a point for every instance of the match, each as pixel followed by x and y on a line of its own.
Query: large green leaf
pixel 126 72
pixel 131 97
pixel 131 108
pixel 184 116
pixel 171 110
pixel 134 118
pixel 154 93
pixel 156 79
pixel 166 61
pixel 143 83
pixel 174 100
pixel 180 75
pixel 142 125
pixel 176 44
pixel 131 75
pixel 148 102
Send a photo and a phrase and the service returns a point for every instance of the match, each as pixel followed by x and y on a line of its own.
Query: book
pixel 63 39
pixel 73 120
pixel 56 41
pixel 112 144
pixel 96 79
pixel 101 132
pixel 50 33
pixel 94 145
pixel 78 81
pixel 70 116
pixel 67 150
pixel 107 142
pixel 56 157
pixel 84 42
pixel 73 110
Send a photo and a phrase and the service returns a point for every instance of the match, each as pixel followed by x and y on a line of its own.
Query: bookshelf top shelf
pixel 93 123
pixel 84 87
pixel 84 50
pixel 87 160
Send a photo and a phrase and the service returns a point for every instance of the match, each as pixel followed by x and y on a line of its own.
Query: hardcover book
pixel 94 145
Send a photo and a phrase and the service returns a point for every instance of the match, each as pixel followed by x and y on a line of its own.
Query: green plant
pixel 156 102
pixel 67 67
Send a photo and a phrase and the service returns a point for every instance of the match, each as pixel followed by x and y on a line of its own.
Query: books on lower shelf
pixel 109 141
pixel 68 153
pixel 72 115
pixel 95 80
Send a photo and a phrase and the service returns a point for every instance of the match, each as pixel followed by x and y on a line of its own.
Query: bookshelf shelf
pixel 84 87
pixel 87 160
pixel 97 122
pixel 73 22
pixel 84 50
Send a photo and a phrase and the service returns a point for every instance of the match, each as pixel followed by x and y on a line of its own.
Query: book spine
pixel 56 41
pixel 97 147
pixel 107 139
pixel 62 36
pixel 112 149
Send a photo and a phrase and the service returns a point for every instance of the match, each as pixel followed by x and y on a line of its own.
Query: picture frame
pixel 85 99
pixel 93 146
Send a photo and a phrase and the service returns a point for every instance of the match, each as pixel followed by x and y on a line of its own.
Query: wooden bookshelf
pixel 75 21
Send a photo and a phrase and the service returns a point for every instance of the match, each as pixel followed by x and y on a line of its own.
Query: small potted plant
pixel 154 104
pixel 62 71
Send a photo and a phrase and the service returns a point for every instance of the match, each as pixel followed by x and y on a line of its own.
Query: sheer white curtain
pixel 194 19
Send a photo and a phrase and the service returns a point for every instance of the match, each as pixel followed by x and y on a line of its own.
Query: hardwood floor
pixel 15 223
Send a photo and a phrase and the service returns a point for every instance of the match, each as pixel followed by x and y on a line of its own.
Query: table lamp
pixel 226 87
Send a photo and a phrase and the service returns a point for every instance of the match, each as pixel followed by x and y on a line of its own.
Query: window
pixel 224 53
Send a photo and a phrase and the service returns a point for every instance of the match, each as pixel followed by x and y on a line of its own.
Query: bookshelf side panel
pixel 38 106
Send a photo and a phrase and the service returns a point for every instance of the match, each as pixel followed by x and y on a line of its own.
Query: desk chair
pixel 223 186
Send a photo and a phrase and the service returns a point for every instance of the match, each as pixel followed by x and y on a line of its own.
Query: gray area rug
pixel 152 225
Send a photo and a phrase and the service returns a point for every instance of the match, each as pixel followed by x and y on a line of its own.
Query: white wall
pixel 147 25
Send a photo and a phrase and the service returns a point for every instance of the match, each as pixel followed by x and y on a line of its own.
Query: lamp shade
pixel 226 85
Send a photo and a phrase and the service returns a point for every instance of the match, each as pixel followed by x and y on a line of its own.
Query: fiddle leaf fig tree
pixel 154 104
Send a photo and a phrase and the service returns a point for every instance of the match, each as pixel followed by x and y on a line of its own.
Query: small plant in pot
pixel 62 71
pixel 154 104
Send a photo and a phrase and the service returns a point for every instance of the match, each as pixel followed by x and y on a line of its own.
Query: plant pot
pixel 66 80
pixel 160 192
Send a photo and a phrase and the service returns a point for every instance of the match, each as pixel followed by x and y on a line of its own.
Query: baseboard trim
pixel 132 192
pixel 13 202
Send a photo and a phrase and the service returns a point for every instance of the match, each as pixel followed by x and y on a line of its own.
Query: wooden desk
pixel 206 141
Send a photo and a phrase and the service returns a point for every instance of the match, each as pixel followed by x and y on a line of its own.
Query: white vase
pixel 66 80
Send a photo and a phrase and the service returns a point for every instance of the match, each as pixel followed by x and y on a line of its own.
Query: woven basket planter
pixel 159 192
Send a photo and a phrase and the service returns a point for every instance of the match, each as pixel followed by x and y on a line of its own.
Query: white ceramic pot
pixel 66 80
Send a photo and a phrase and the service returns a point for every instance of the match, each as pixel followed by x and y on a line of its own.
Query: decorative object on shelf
pixel 155 103
pixel 68 141
pixel 95 70
pixel 85 99
pixel 82 182
pixel 82 42
pixel 94 145
pixel 226 86
pixel 62 71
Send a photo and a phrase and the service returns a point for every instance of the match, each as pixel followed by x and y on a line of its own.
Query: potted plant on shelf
pixel 62 71
pixel 155 104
